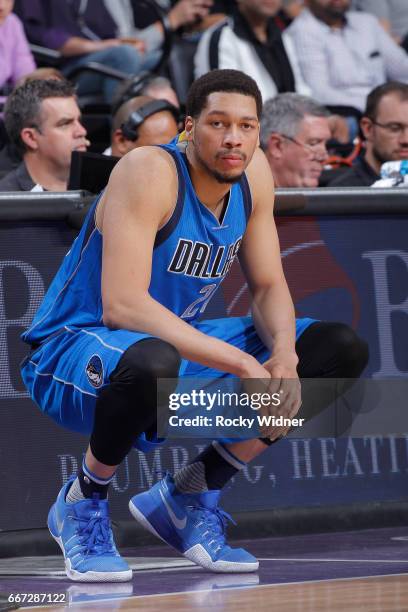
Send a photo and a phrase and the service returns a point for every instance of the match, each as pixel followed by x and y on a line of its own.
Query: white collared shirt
pixel 342 65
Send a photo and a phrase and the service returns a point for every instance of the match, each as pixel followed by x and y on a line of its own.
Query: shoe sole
pixel 76 576
pixel 197 553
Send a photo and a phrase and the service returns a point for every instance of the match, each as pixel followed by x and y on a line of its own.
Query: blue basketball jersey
pixel 193 253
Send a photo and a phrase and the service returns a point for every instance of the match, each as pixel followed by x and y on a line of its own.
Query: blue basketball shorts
pixel 65 375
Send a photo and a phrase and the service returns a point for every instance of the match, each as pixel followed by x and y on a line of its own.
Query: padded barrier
pixel 345 256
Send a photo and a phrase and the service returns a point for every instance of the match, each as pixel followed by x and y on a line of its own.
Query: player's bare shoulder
pixel 145 178
pixel 260 180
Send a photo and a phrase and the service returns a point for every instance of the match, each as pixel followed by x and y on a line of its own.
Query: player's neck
pixel 209 191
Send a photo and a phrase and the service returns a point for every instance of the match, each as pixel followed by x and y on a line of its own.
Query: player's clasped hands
pixel 285 381
pixel 278 378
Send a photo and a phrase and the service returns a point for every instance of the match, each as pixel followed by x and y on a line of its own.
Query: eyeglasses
pixel 318 151
pixel 393 128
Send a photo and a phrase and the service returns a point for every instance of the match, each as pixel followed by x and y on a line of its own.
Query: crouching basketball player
pixel 123 311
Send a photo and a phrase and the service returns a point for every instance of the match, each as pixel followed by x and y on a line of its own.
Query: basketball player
pixel 123 311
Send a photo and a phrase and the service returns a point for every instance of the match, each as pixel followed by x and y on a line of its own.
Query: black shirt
pixel 272 54
pixel 361 174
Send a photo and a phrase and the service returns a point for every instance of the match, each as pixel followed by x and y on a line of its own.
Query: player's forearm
pixel 150 317
pixel 274 317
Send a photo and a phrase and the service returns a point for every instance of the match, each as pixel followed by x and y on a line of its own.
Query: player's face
pixel 303 157
pixel 225 135
pixel 60 132
pixel 388 136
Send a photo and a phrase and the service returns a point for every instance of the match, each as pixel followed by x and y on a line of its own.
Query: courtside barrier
pixel 345 255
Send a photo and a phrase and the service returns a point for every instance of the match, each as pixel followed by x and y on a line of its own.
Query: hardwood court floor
pixel 375 594
pixel 359 571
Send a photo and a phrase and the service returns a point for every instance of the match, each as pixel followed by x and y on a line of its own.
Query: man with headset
pixel 142 121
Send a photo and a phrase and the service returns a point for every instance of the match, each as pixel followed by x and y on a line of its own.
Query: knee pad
pixel 352 351
pixel 146 361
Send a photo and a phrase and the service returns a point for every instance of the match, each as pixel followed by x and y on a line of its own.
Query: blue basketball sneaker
pixel 193 524
pixel 84 533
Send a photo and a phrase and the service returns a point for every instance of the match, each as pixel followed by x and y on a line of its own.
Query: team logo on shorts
pixel 94 371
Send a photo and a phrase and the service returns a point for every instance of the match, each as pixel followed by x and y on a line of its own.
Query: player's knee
pixel 146 361
pixel 351 350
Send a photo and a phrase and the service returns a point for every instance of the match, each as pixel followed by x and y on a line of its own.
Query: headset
pixel 135 119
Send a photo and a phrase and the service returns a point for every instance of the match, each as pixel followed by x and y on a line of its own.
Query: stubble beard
pixel 380 157
pixel 223 179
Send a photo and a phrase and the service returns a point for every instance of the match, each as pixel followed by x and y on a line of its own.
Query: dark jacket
pixel 361 174
pixel 17 180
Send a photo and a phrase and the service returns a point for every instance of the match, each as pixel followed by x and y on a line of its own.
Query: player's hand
pixel 188 12
pixel 252 369
pixel 256 382
pixel 255 377
pixel 285 381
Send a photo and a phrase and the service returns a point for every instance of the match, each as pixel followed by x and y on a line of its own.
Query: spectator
pixel 42 120
pixel 16 59
pixel 385 129
pixel 42 74
pixel 294 132
pixel 344 54
pixel 160 88
pixel 10 157
pixel 141 121
pixel 84 31
pixel 146 84
pixel 289 11
pixel 180 14
pixel 249 40
pixel 393 16
pixel 121 12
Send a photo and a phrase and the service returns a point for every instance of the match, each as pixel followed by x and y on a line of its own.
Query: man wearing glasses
pixel 294 132
pixel 385 129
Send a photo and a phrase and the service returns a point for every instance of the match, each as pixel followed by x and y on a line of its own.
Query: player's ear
pixel 188 126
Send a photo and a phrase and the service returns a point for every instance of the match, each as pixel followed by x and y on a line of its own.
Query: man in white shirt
pixel 393 15
pixel 344 54
pixel 249 40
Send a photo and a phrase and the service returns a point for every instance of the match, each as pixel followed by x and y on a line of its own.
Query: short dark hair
pixel 233 81
pixel 376 95
pixel 23 106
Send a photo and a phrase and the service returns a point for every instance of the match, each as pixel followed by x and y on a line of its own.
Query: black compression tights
pixel 127 407
pixel 328 350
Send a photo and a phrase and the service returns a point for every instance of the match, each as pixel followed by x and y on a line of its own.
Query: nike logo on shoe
pixel 60 523
pixel 178 523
